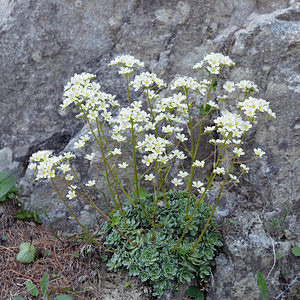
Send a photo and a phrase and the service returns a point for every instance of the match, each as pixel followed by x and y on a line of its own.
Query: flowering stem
pixel 127 84
pixel 199 202
pixel 78 222
pixel 194 153
pixel 91 202
pixel 106 165
pixel 113 171
pixel 154 213
pixel 218 198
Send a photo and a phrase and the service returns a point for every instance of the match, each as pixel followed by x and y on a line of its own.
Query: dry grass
pixel 85 276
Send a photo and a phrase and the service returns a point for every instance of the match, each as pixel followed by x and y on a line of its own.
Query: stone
pixel 43 43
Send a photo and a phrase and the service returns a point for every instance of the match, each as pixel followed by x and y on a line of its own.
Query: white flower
pixel 123 165
pixel 238 151
pixel 246 85
pixel 118 137
pixel 163 159
pixel 187 82
pixel 213 70
pixel 229 86
pixel 202 190
pixel 217 59
pixel 213 104
pixel 209 128
pixel 92 115
pixel 167 129
pixel 198 65
pixel 181 137
pixel 78 145
pixel 183 174
pixel 149 177
pixel 91 183
pixel 197 184
pixel 69 177
pixel 85 138
pixel 127 60
pixel 90 156
pixel 219 171
pixel 64 167
pixel 179 154
pixel 116 151
pixel 259 152
pixel 177 182
pixel 32 166
pixel 244 168
pixel 233 178
pixel 40 155
pixel 198 163
pixel 71 194
pixel 147 80
pixel 148 159
pixel 124 71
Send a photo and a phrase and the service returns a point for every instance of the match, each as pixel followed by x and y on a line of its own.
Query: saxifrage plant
pixel 155 260
pixel 167 132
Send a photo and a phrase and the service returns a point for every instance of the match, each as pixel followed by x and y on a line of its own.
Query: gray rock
pixel 43 43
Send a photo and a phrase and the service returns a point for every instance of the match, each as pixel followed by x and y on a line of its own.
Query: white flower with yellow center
pixel 149 177
pixel 177 181
pixel 219 171
pixel 123 165
pixel 259 152
pixel 91 183
pixel 198 163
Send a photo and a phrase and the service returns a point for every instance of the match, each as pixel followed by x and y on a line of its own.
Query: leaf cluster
pixel 154 260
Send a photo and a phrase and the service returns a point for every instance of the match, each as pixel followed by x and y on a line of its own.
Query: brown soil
pixel 86 276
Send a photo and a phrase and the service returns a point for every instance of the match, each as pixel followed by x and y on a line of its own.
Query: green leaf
pixel 31 289
pixel 10 195
pixel 26 253
pixel 115 220
pixel 45 283
pixel 296 251
pixel 194 292
pixel 76 255
pixel 36 218
pixel 4 237
pixel 207 109
pixel 278 255
pixel 111 213
pixel 126 284
pixel 13 189
pixel 142 193
pixel 25 214
pixel 63 297
pixel 261 283
pixel 8 180
pixel 3 198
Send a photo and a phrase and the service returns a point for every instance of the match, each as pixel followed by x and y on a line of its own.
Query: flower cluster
pixel 173 108
pixel 147 80
pixel 247 86
pixel 127 64
pixel 48 164
pixel 252 105
pixel 215 62
pixel 87 96
pixel 190 83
